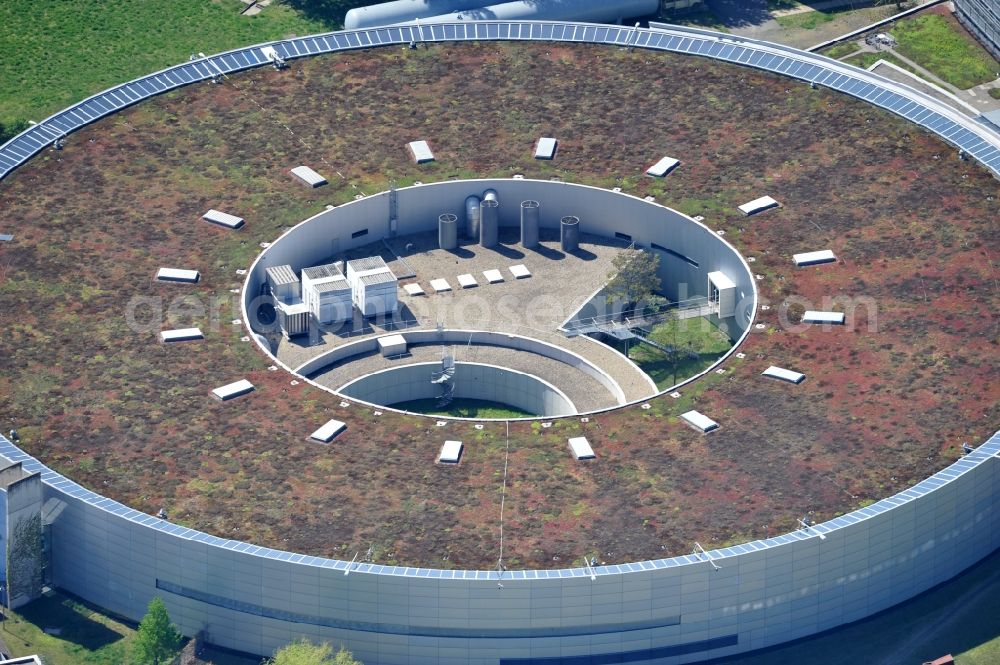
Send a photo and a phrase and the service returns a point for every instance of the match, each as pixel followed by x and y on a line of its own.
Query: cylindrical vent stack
pixel 472 217
pixel 529 224
pixel 569 233
pixel 448 231
pixel 491 195
pixel 489 223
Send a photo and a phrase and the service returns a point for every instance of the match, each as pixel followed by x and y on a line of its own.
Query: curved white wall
pixel 664 611
pixel 601 212
pixel 451 336
pixel 472 381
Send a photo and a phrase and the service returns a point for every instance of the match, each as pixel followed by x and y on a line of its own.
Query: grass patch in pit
pixel 698 344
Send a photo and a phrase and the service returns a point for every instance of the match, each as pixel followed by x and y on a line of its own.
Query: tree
pixel 157 640
pixel 12 129
pixel 304 652
pixel 633 279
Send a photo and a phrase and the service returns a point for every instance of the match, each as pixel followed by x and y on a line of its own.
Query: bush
pixel 11 130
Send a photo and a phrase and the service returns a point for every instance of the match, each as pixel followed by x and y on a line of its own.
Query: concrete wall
pixel 507 341
pixel 668 611
pixel 601 212
pixel 20 502
pixel 472 381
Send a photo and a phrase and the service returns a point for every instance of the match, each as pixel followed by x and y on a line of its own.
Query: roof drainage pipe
pixel 597 11
pixel 387 13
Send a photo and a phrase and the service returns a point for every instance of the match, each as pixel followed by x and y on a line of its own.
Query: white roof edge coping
pixel 308 176
pixel 232 390
pixel 758 205
pixel 181 335
pixel 823 317
pixel 223 219
pixel 814 258
pixel 783 374
pixel 545 148
pixel 329 431
pixel 663 167
pixel 581 448
pixel 451 452
pixel 177 275
pixel 700 421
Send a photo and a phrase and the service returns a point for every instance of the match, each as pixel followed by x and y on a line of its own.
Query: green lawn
pixel 840 50
pixel 57 52
pixel 700 344
pixel 939 44
pixel 806 20
pixel 463 408
pixel 995 93
pixel 866 60
pixel 86 637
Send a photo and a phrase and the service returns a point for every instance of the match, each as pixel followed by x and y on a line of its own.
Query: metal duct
pixel 489 223
pixel 529 224
pixel 569 233
pixel 448 231
pixel 596 11
pixel 472 217
pixel 387 13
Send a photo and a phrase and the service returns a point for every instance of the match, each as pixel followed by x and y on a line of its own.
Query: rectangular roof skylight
pixel 814 258
pixel 308 176
pixel 520 271
pixel 233 390
pixel 177 275
pixel 783 374
pixel 836 318
pixel 181 335
pixel 329 431
pixel 663 167
pixel 450 453
pixel 700 421
pixel 581 448
pixel 545 148
pixel 223 219
pixel 421 152
pixel 758 205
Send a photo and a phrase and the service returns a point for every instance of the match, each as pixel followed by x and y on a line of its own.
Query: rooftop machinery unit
pixel 722 292
pixel 327 294
pixel 373 286
pixel 292 313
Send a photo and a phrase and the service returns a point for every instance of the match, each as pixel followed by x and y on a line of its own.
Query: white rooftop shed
pixel 373 286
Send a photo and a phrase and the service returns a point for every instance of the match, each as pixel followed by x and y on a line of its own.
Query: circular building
pixel 215 352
